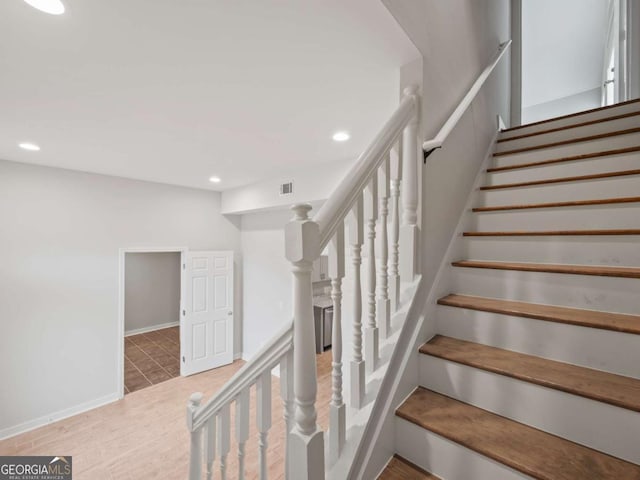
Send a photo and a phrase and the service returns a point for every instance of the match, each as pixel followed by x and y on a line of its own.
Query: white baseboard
pixel 238 356
pixel 54 417
pixel 152 328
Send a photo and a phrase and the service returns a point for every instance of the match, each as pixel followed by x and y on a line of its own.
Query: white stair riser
pixel 598 425
pixel 623 216
pixel 585 117
pixel 596 250
pixel 614 352
pixel 609 294
pixel 611 163
pixel 447 459
pixel 561 135
pixel 568 150
pixel 626 186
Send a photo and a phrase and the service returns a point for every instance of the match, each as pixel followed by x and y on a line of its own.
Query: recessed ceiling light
pixel 29 146
pixel 54 7
pixel 215 179
pixel 341 136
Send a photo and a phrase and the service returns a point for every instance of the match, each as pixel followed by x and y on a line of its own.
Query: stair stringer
pixel 378 443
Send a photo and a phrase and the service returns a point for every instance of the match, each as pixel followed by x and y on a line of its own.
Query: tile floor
pixel 151 358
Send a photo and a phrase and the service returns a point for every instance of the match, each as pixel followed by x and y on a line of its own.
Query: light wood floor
pixel 144 435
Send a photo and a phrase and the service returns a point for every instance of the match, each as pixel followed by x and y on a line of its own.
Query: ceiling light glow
pixel 54 7
pixel 215 179
pixel 29 146
pixel 341 136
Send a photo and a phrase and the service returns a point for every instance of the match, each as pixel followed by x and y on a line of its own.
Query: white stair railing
pixel 355 201
pixel 211 422
pixel 404 174
pixel 361 200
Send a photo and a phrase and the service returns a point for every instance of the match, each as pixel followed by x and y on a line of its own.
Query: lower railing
pixel 357 214
pixel 211 423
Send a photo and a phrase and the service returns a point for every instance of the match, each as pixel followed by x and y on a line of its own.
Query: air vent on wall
pixel 286 188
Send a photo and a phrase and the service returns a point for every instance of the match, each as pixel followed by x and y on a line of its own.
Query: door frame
pixel 121 290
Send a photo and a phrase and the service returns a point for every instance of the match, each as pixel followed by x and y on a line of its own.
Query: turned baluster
pixel 242 428
pixel 224 438
pixel 211 446
pixel 286 392
pixel 394 272
pixel 356 233
pixel 383 309
pixel 337 427
pixel 371 216
pixel 263 417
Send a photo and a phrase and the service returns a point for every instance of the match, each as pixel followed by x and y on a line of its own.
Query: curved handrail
pixel 436 142
pixel 266 358
pixel 336 208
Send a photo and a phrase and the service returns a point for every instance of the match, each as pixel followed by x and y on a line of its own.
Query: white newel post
pixel 394 269
pixel 409 230
pixel 302 244
pixel 384 305
pixel 337 419
pixel 356 233
pixel 195 458
pixel 371 332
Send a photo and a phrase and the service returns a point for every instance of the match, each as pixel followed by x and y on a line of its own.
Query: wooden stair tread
pixel 623 392
pixel 399 468
pixel 577 203
pixel 523 448
pixel 571 158
pixel 567 142
pixel 569 127
pixel 617 322
pixel 553 232
pixel 604 271
pixel 546 181
pixel 577 114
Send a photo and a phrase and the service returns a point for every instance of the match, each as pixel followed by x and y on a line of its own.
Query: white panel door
pixel 206 328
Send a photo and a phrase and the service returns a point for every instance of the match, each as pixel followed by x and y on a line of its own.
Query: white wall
pixel 457 39
pixel 563 106
pixel 563 48
pixel 59 241
pixel 267 286
pixel 152 290
pixel 310 184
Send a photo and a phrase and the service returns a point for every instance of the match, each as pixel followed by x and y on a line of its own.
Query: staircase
pixel 535 368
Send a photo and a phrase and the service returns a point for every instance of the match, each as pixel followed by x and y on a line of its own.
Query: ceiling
pixel 563 44
pixel 175 91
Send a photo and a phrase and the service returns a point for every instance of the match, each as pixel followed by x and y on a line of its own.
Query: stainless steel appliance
pixel 323 319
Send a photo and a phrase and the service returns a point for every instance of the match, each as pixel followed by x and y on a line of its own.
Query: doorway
pixel 573 56
pixel 175 315
pixel 151 318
